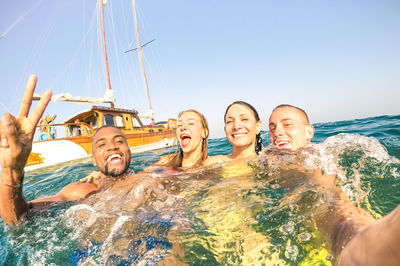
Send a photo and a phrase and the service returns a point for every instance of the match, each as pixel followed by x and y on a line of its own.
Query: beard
pixel 115 172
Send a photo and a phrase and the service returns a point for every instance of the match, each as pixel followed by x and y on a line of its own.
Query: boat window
pixel 119 121
pixel 91 121
pixel 108 120
pixel 135 122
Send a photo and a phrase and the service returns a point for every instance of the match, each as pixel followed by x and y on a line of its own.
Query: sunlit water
pixel 241 215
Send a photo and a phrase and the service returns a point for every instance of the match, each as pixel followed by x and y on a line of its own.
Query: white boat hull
pixel 59 152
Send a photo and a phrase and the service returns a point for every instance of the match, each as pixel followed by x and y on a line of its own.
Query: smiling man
pixel 289 127
pixel 111 154
pixel 350 231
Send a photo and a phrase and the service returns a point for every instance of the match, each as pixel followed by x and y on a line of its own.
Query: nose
pixel 237 124
pixel 183 127
pixel 111 146
pixel 278 130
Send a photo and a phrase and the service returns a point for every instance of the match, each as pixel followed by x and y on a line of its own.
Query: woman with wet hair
pixel 192 134
pixel 243 131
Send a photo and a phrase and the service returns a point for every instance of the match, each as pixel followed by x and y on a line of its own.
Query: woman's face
pixel 190 132
pixel 241 126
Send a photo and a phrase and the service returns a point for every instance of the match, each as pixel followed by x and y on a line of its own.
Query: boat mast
pixel 104 2
pixel 140 54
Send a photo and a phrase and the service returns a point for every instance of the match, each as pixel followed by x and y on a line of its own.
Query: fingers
pixel 39 109
pixel 9 135
pixel 91 177
pixel 27 100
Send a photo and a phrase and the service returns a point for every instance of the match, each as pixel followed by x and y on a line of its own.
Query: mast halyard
pixel 140 54
pixel 104 2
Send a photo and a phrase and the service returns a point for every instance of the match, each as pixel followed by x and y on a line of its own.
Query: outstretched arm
pixel 377 244
pixel 336 216
pixel 16 135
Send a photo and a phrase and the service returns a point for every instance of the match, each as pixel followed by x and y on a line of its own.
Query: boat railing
pixel 64 130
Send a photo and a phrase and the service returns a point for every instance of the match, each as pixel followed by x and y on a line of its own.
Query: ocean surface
pixel 227 215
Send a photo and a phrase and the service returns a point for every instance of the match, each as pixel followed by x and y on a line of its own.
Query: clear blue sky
pixel 338 60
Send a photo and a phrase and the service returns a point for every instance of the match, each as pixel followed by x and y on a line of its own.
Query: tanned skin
pixel 110 153
pixel 354 237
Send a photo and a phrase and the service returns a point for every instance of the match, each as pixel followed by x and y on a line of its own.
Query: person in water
pixel 111 154
pixel 243 131
pixel 290 128
pixel 351 231
pixel 192 134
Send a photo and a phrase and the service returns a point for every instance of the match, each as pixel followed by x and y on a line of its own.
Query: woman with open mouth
pixel 192 134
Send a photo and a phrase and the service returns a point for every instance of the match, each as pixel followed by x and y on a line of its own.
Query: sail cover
pixel 66 97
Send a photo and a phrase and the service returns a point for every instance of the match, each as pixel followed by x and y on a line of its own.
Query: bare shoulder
pixel 73 191
pixel 77 190
pixel 216 159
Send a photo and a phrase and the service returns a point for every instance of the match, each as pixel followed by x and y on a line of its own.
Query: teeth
pixel 238 135
pixel 113 156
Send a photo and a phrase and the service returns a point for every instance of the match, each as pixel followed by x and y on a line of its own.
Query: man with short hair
pixel 351 231
pixel 111 154
pixel 289 127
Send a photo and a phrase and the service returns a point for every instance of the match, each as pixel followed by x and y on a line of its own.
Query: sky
pixel 338 60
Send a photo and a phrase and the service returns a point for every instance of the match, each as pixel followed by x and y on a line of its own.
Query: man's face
pixel 289 129
pixel 111 153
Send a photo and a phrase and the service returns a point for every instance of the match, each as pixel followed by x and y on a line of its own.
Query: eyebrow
pixel 103 138
pixel 240 115
pixel 190 119
pixel 100 139
pixel 282 120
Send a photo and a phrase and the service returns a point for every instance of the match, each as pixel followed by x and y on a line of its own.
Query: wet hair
pixel 295 107
pixel 259 144
pixel 176 160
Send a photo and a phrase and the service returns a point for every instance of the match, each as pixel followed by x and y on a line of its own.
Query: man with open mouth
pixel 351 231
pixel 289 127
pixel 111 154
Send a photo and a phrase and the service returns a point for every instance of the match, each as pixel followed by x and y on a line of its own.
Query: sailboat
pixel 71 140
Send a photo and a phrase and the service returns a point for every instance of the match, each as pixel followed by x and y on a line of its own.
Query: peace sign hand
pixel 17 133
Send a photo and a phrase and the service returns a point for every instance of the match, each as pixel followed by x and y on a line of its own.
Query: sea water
pixel 237 215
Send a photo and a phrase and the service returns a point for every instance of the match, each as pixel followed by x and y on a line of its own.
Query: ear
pixel 309 132
pixel 204 134
pixel 258 126
pixel 94 161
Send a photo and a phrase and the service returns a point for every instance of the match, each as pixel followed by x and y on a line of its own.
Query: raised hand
pixel 17 134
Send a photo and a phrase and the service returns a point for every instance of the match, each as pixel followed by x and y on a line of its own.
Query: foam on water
pixel 330 154
pixel 226 215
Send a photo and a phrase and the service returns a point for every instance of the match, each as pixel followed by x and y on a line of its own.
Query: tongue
pixel 185 141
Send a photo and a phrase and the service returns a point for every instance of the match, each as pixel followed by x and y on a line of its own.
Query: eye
pixel 229 122
pixel 101 145
pixel 287 124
